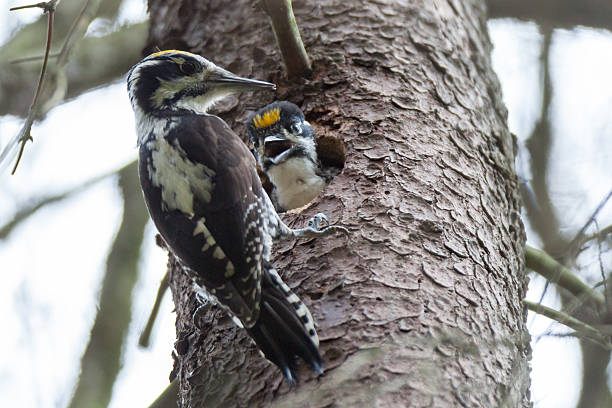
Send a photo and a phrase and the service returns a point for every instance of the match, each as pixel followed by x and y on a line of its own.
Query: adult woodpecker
pixel 286 151
pixel 206 200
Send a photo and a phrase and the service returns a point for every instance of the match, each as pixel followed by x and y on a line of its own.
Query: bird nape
pixel 202 190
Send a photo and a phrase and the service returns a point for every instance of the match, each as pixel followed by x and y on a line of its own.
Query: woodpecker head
pixel 180 81
pixel 279 132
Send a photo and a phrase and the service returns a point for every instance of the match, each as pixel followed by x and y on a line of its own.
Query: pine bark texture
pixel 421 304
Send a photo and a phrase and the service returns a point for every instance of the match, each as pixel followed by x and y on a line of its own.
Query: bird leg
pixel 317 226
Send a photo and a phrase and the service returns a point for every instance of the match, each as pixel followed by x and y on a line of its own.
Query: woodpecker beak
pixel 276 148
pixel 230 82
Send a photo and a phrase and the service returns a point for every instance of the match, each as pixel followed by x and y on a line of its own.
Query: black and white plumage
pixel 286 151
pixel 206 200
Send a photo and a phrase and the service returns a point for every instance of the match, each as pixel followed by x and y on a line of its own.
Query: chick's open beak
pixel 276 147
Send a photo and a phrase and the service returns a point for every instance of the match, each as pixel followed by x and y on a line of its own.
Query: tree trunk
pixel 421 304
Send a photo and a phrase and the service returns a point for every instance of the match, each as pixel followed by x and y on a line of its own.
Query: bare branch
pixel 54 97
pixel 582 329
pixel 39 203
pixel 599 236
pixel 541 212
pixel 34 58
pixel 95 62
pixel 288 38
pixel 24 135
pixel 545 265
pixel 543 217
pixel 168 398
pixel 47 6
pixel 75 34
pixel 145 336
pixel 574 245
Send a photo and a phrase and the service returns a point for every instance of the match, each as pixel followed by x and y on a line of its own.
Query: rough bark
pixel 421 304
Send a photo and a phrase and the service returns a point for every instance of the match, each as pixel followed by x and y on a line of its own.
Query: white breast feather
pixel 296 182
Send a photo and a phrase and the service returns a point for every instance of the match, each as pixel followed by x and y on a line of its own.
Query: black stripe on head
pixel 145 77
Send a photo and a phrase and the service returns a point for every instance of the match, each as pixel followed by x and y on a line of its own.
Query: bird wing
pixel 222 241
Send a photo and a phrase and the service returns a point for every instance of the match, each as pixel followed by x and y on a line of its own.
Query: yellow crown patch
pixel 267 118
pixel 155 54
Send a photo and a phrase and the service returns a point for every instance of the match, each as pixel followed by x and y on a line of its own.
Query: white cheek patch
pixel 168 89
pixel 200 104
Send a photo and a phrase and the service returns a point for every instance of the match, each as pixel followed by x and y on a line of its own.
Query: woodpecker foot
pixel 318 220
pixel 184 342
pixel 203 300
pixel 318 226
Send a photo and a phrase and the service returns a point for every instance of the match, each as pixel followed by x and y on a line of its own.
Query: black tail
pixel 285 329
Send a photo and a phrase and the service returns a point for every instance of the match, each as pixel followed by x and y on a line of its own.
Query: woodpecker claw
pixel 315 221
pixel 196 314
pixel 203 300
pixel 318 226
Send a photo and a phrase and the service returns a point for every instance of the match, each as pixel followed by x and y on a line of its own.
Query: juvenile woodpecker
pixel 286 151
pixel 206 200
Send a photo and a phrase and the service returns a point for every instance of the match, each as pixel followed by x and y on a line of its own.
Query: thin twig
pixel 63 54
pixel 580 327
pixel 288 38
pixel 75 34
pixel 599 235
pixel 47 6
pixel 33 58
pixel 145 336
pixel 602 270
pixel 24 135
pixel 573 245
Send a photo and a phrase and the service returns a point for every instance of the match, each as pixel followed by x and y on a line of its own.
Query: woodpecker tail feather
pixel 285 328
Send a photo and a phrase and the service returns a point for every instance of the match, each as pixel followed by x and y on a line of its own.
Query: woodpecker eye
pixel 295 128
pixel 188 68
